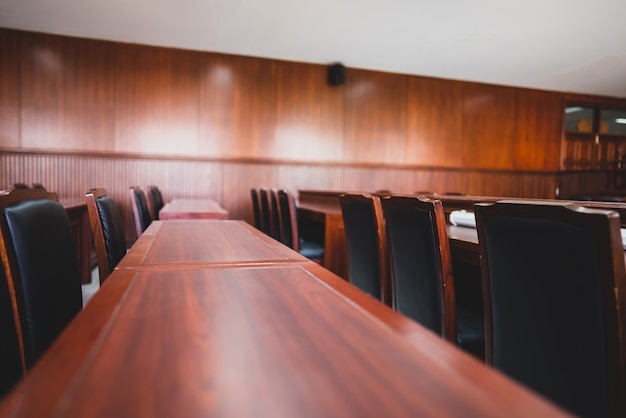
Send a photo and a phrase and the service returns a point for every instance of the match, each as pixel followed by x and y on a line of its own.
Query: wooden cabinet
pixel 594 136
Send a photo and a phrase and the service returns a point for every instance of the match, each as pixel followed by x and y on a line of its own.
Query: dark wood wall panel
pixel 67 93
pixel 375 117
pixel 157 100
pixel 489 126
pixel 434 125
pixel 238 107
pixel 239 122
pixel 539 121
pixel 9 89
pixel 309 114
pixel 88 95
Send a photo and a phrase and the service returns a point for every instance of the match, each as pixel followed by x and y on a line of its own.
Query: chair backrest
pixel 367 244
pixel 156 200
pixel 256 208
pixel 11 367
pixel 266 214
pixel 141 210
pixel 554 286
pixel 288 219
pixel 41 267
pixel 272 195
pixel 107 231
pixel 422 280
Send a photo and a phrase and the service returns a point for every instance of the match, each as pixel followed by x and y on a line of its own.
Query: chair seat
pixel 470 332
pixel 311 249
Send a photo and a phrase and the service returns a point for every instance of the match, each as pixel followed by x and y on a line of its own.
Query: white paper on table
pixel 623 231
pixel 463 218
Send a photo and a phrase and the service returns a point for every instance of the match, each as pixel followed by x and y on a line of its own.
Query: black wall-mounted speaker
pixel 336 74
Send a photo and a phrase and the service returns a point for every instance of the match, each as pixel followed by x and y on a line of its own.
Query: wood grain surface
pixel 180 243
pixel 192 209
pixel 274 341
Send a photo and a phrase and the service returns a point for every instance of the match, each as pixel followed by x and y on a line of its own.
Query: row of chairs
pixel 40 286
pixel 275 214
pixel 146 206
pixel 107 226
pixel 554 288
pixel 40 289
pixel 398 252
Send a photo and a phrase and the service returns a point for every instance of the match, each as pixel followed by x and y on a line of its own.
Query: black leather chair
pixel 422 278
pixel 256 209
pixel 266 213
pixel 367 244
pixel 289 229
pixel 107 231
pixel 155 198
pixel 141 210
pixel 272 196
pixel 40 263
pixel 11 367
pixel 554 286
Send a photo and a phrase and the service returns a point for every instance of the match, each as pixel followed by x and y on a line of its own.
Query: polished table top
pixel 205 242
pixel 192 209
pixel 274 338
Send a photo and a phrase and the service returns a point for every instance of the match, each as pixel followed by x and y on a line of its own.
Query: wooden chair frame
pixel 104 269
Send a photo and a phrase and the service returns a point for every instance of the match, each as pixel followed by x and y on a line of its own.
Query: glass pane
pixel 613 122
pixel 578 119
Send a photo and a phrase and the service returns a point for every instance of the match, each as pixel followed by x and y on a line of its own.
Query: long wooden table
pixel 192 209
pixel 196 243
pixel 278 338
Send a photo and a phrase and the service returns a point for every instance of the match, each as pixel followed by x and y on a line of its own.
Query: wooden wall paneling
pixel 579 153
pixel 489 124
pixel 67 88
pixel 511 184
pixel 229 183
pixel 538 130
pixel 9 89
pixel 238 110
pixel 238 179
pixel 581 183
pixel 441 181
pixel 375 109
pixel 157 93
pixel 434 122
pixel 309 114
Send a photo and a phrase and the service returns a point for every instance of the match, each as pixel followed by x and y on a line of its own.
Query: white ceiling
pixel 563 45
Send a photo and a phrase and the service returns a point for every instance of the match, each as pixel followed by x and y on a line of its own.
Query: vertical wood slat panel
pixel 229 183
